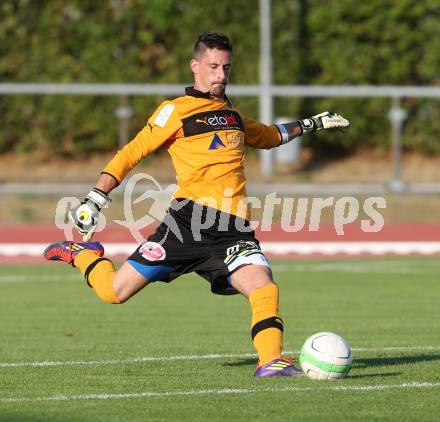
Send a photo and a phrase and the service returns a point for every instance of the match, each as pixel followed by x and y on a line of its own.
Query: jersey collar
pixel 189 90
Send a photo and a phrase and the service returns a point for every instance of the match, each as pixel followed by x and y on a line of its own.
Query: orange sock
pixel 267 326
pixel 99 273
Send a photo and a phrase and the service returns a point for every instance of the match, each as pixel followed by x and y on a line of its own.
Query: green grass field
pixel 176 352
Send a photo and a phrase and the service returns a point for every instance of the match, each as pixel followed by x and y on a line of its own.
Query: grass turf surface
pixel 66 356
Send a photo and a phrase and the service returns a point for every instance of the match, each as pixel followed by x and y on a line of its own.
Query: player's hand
pixel 85 216
pixel 326 120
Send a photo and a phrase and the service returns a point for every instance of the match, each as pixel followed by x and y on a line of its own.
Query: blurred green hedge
pixel 380 42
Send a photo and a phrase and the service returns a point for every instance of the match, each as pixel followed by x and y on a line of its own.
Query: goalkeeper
pixel 206 138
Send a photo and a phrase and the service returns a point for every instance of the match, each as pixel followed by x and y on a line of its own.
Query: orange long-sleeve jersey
pixel 206 139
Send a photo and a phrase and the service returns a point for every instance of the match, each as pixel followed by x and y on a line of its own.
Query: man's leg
pixel 110 285
pixel 127 282
pixel 255 283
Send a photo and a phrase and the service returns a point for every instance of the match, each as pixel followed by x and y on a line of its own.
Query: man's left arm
pixel 326 120
pixel 259 135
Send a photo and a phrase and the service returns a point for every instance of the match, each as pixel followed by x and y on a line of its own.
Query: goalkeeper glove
pixel 85 216
pixel 326 120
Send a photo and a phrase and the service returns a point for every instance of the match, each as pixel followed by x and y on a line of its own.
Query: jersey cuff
pixel 284 134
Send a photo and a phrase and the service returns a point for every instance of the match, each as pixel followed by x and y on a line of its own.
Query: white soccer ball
pixel 325 356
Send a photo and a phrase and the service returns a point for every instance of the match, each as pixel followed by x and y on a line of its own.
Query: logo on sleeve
pixel 164 114
pixel 216 143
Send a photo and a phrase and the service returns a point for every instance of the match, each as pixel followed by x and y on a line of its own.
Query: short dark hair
pixel 211 39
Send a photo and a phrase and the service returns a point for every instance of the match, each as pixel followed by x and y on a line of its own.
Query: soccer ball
pixel 325 356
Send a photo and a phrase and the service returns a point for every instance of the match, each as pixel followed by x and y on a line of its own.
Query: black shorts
pixel 197 238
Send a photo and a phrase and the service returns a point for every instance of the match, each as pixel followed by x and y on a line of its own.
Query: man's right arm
pixel 162 125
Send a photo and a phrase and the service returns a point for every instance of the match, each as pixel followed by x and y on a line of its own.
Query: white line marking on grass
pixel 146 394
pixel 368 266
pixel 190 357
pixel 38 278
pixel 395 348
pixel 385 267
pixel 352 248
pixel 124 361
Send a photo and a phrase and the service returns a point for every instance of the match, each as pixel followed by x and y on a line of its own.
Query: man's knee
pixel 249 278
pixel 122 293
pixel 126 284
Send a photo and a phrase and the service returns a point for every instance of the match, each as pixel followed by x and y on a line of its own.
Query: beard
pixel 217 90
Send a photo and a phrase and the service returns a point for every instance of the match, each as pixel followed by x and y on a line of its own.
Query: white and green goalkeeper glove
pixel 85 216
pixel 326 120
